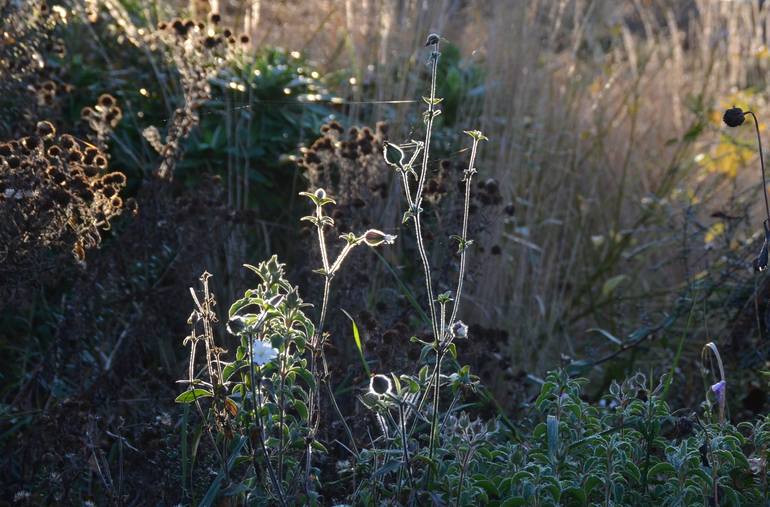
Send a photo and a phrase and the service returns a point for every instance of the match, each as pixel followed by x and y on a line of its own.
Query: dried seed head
pixel 45 129
pixel 734 117
pixel 67 142
pixel 106 100
pixel 432 40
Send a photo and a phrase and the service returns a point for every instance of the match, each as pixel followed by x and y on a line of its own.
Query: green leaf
pixel 301 408
pixel 663 468
pixel 576 493
pixel 434 101
pixel 359 346
pixel 612 284
pixel 515 501
pixel 476 135
pixel 552 424
pixel 192 395
pixel 231 368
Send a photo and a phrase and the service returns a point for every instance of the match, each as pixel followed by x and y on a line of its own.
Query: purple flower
pixel 719 391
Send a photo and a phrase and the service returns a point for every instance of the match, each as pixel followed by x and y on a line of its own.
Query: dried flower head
pixel 734 117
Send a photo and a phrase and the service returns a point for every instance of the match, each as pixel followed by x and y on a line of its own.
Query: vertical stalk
pixel 762 164
pixel 464 238
pixel 464 468
pixel 281 403
pixel 405 441
pixel 436 399
pixel 256 397
pixel 316 346
pixel 418 195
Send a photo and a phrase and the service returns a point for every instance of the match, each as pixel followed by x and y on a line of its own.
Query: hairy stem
pixel 418 195
pixel 256 397
pixel 466 211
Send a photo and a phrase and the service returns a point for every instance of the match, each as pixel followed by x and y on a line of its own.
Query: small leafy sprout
pixel 319 197
pixel 380 385
pixel 478 136
pixel 734 117
pixel 462 244
pixel 262 353
pixel 374 237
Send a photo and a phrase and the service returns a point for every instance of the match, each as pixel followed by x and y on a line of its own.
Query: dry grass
pixel 589 105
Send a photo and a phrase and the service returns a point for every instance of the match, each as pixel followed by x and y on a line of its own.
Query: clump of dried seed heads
pixel 199 53
pixel 349 166
pixel 55 192
pixel 102 118
pixel 27 40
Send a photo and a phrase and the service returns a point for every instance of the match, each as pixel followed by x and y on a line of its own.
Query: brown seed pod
pixel 45 129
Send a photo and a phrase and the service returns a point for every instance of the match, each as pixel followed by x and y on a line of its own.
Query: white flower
pixel 262 353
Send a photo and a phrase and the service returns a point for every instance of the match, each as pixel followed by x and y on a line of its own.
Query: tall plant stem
pixel 417 202
pixel 762 164
pixel 256 398
pixel 405 441
pixel 464 238
pixel 436 400
pixel 463 470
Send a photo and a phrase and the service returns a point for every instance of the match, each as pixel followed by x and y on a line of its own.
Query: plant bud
pixel 432 40
pixel 374 237
pixel 380 385
pixel 459 330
